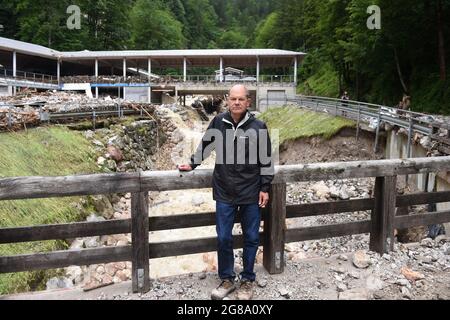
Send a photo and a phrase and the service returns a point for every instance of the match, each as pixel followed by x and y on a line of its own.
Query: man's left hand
pixel 263 199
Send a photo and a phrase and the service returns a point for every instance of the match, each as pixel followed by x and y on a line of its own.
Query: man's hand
pixel 263 199
pixel 184 167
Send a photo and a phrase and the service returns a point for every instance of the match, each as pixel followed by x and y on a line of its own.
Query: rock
pixel 341 287
pixel 103 206
pixel 284 292
pixel 115 153
pixel 374 283
pixel 361 260
pixel 342 257
pixel 202 276
pixel 405 293
pixel 321 189
pixel 75 274
pixel 440 239
pixel 354 294
pixel 59 283
pixel 197 200
pixel 101 161
pixel 94 218
pixel 261 283
pixel 411 275
pixel 427 242
pixel 92 242
pixel 77 244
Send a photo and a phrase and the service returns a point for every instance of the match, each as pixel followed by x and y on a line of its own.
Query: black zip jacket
pixel 244 165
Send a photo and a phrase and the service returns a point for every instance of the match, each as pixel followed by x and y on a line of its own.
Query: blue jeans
pixel 250 221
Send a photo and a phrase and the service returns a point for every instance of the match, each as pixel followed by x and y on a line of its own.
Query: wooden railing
pixel 381 225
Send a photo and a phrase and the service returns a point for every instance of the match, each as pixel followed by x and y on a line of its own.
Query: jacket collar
pixel 228 119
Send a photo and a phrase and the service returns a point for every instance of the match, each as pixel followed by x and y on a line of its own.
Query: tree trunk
pixel 441 47
pixel 399 70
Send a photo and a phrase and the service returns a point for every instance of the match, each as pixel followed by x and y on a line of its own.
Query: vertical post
pixel 9 118
pixel 93 119
pixel 140 242
pixel 14 70
pixel 382 216
pixel 58 71
pixel 124 77
pixel 257 69
pixel 221 69
pixel 149 70
pixel 184 69
pixel 274 229
pixel 295 70
pixel 358 123
pixel 96 78
pixel 408 144
pixel 375 147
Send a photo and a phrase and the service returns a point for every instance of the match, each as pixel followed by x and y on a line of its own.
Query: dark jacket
pixel 244 165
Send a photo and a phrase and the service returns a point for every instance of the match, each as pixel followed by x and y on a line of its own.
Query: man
pixel 241 182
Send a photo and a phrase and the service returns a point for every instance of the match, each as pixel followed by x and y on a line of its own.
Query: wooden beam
pixel 47 187
pixel 422 198
pixel 61 259
pixel 425 219
pixel 140 246
pixel 274 229
pixel 64 231
pixel 382 216
pixel 328 231
pixel 331 207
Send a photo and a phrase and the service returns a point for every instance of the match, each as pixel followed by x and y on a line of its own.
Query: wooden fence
pixel 381 226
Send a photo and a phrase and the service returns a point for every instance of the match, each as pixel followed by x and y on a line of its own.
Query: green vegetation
pixel 409 55
pixel 295 123
pixel 40 152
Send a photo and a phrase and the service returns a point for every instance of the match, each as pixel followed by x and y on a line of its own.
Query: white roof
pixel 32 49
pixel 28 48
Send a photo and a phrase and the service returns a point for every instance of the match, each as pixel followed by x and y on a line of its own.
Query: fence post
pixel 9 118
pixel 274 229
pixel 383 214
pixel 93 119
pixel 358 123
pixel 375 147
pixel 140 242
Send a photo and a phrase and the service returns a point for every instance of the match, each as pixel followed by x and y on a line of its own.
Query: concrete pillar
pixel 124 76
pixel 257 69
pixel 149 71
pixel 442 185
pixel 176 95
pixel 14 70
pixel 184 69
pixel 96 75
pixel 295 69
pixel 58 71
pixel 221 69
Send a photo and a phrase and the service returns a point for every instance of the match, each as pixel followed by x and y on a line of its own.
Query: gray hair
pixel 247 93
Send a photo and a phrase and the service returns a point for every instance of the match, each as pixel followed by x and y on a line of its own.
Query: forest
pixel 407 54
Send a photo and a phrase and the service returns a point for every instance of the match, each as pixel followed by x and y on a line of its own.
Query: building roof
pixel 32 49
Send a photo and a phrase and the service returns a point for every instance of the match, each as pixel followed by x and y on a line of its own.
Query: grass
pixel 296 123
pixel 54 151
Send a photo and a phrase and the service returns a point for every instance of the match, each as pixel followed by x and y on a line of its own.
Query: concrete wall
pixel 137 94
pixel 5 91
pixel 396 147
pixel 263 96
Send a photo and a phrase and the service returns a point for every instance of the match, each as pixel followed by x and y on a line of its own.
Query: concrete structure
pixel 130 72
pixel 396 146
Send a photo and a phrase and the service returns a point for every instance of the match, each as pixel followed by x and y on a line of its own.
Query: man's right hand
pixel 185 167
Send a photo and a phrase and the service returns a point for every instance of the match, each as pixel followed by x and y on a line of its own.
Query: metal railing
pixel 375 115
pixel 28 76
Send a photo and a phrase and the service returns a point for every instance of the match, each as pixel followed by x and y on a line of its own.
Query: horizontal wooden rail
pixel 423 219
pixel 192 220
pixel 45 187
pixel 332 207
pixel 327 231
pixel 423 198
pixel 61 259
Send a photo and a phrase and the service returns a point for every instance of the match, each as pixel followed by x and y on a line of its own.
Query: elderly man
pixel 241 183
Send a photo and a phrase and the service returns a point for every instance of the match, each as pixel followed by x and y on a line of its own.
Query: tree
pixel 154 27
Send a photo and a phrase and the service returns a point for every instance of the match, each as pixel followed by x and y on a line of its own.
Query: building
pixel 130 74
